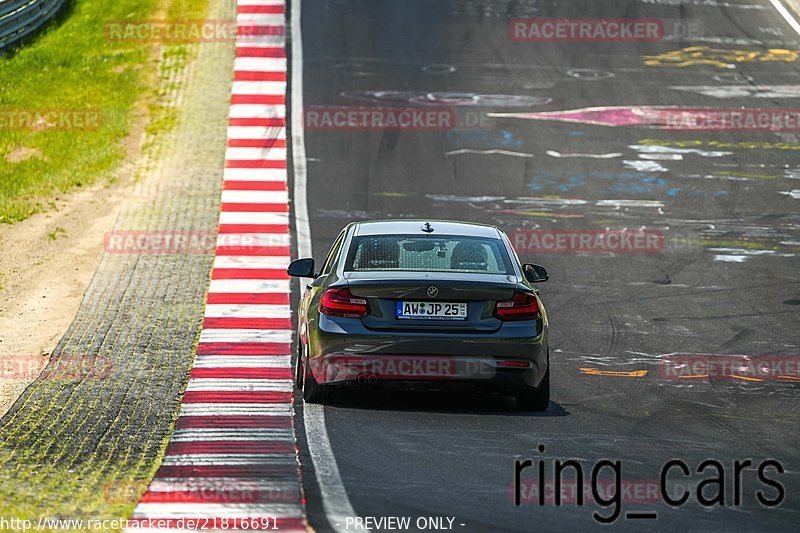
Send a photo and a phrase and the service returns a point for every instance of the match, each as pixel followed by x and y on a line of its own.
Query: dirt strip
pixel 47 264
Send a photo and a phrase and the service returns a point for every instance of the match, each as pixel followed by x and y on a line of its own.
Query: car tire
pixel 313 392
pixel 535 399
pixel 298 366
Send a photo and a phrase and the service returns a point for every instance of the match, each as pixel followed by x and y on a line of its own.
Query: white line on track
pixel 334 496
pixel 335 501
pixel 786 15
pixel 303 227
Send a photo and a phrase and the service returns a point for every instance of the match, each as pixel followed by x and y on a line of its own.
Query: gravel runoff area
pixel 86 448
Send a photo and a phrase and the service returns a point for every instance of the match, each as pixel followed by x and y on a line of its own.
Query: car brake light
pixel 523 306
pixel 341 302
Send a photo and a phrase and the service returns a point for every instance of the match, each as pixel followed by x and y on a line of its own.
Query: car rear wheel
pixel 313 392
pixel 535 399
pixel 298 366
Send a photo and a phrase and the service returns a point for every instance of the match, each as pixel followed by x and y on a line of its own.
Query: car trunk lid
pixel 385 289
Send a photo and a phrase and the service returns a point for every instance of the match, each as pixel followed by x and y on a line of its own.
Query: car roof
pixel 414 227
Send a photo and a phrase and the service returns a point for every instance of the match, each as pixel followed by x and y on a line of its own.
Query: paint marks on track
pixel 613 182
pixel 719 58
pixel 559 155
pixel 589 74
pixel 464 199
pixel 742 91
pixel 618 374
pixel 706 3
pixel 509 153
pixel 672 118
pixel 448 99
pixel 668 150
pixel 232 460
pixel 644 166
pixel 740 255
pixel 600 116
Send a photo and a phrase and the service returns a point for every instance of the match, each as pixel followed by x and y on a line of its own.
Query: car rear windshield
pixel 442 253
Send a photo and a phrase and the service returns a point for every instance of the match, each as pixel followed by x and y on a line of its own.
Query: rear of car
pixel 407 303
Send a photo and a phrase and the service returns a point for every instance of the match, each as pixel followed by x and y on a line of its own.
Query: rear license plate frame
pixel 442 307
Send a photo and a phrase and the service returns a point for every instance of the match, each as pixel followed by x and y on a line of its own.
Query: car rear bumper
pixel 342 350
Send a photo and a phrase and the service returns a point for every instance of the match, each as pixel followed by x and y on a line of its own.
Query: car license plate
pixel 432 310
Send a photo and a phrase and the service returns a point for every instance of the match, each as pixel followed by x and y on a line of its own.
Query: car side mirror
pixel 301 268
pixel 535 273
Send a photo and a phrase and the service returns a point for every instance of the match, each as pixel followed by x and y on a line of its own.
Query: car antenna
pixel 427 228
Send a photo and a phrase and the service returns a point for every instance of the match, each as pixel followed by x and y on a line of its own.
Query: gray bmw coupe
pixel 414 302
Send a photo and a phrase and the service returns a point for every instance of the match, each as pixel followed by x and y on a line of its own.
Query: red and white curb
pixel 232 461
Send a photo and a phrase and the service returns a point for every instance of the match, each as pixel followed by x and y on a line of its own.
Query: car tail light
pixel 341 302
pixel 523 306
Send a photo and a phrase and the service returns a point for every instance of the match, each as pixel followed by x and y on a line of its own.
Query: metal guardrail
pixel 20 19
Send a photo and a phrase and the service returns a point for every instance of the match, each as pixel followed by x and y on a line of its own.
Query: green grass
pixel 74 66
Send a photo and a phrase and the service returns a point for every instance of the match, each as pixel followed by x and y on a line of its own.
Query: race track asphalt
pixel 723 282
